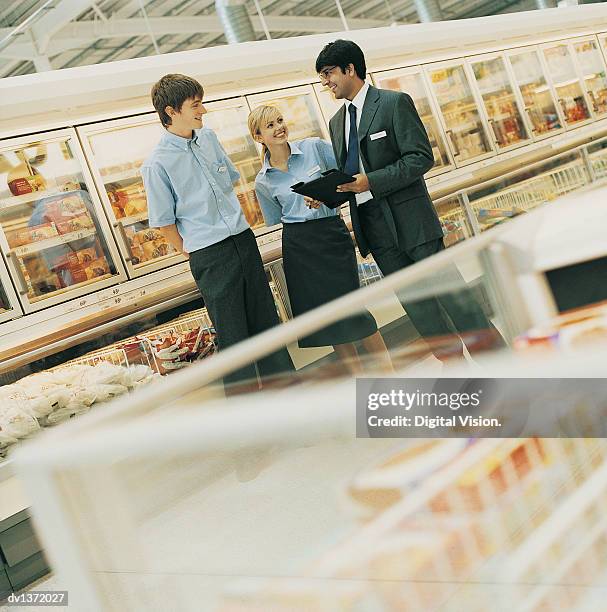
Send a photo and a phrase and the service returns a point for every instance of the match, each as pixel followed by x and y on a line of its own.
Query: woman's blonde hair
pixel 261 116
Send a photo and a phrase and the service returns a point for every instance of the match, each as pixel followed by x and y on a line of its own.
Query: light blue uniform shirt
pixel 188 182
pixel 309 157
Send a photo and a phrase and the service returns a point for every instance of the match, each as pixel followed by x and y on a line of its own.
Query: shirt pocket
pixel 222 176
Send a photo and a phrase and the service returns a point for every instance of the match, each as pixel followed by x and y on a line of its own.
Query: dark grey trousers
pixel 442 314
pixel 234 287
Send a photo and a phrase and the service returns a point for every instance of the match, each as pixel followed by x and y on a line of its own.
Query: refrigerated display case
pixel 52 227
pixel 300 110
pixel 592 69
pixel 459 111
pixel 9 303
pixel 329 105
pixel 453 220
pixel 116 150
pixel 537 95
pixel 500 102
pixel 411 81
pixel 567 84
pixel 522 191
pixel 229 120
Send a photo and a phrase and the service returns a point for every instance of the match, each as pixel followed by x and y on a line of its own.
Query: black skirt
pixel 320 266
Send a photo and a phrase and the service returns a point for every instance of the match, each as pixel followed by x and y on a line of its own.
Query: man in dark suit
pixel 379 138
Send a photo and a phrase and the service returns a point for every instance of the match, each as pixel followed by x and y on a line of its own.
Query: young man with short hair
pixel 379 138
pixel 189 180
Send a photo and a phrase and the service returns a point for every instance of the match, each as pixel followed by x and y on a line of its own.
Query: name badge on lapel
pixel 314 170
pixel 377 135
pixel 222 168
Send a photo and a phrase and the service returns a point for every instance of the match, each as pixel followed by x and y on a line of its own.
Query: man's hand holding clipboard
pixel 324 190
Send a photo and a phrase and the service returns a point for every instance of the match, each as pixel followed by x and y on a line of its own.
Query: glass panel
pixel 453 220
pixel 413 85
pixel 525 190
pixel 500 102
pixel 328 104
pixel 593 70
pixel 536 93
pixel 119 153
pixel 49 219
pixel 300 113
pixel 567 84
pixel 230 124
pixel 597 152
pixel 461 114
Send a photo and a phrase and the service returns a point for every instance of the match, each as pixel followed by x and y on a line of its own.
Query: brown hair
pixel 173 90
pixel 260 116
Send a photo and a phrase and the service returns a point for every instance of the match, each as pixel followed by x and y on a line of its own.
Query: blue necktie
pixel 352 160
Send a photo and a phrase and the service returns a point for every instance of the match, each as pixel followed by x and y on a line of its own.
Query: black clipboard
pixel 323 189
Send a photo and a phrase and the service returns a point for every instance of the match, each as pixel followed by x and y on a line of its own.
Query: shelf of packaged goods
pixel 138 218
pixel 48 243
pixel 123 175
pixel 466 127
pixel 26 198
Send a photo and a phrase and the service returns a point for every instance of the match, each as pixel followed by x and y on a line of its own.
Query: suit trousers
pixel 454 311
pixel 234 287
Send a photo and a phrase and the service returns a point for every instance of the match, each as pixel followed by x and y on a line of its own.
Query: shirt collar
pixel 295 150
pixel 359 98
pixel 178 141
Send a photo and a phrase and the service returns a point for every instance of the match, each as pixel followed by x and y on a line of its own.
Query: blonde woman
pixel 318 253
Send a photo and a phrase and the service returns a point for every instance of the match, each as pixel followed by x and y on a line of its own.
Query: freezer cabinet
pixel 53 230
pixel 117 149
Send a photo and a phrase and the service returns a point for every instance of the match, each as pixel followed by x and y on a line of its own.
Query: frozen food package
pixel 147 235
pixel 155 249
pixel 96 268
pixel 137 255
pixel 42 231
pixel 18 237
pixel 75 224
pixel 65 208
pixel 86 256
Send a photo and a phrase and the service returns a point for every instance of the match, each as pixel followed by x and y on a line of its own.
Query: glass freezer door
pixel 592 68
pixel 9 303
pixel 53 230
pixel 460 113
pixel 300 109
pixel 537 95
pixel 116 150
pixel 229 121
pixel 500 102
pixel 412 83
pixel 329 105
pixel 566 81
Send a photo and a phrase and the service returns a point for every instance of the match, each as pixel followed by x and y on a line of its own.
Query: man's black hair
pixel 342 53
pixel 173 90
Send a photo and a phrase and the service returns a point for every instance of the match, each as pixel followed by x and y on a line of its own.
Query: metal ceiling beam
pixel 44 29
pixel 81 33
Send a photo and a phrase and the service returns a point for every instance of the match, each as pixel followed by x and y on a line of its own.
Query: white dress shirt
pixel 358 101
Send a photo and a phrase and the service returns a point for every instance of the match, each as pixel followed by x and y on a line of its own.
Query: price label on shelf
pixel 109 294
pixel 80 303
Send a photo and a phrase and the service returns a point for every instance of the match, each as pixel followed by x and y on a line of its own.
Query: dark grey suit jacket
pixel 395 165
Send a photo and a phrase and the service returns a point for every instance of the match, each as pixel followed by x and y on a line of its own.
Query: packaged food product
pixel 42 231
pixel 98 267
pixel 135 207
pixel 65 208
pixel 86 256
pixel 137 255
pixel 18 237
pixel 383 484
pixel 147 235
pixel 75 224
pixel 155 249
